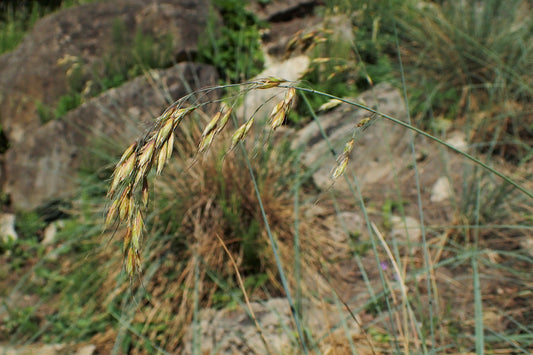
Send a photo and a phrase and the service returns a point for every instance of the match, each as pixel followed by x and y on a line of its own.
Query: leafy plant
pixel 233 48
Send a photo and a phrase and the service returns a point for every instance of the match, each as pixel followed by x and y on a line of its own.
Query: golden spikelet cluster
pixel 129 187
pixel 214 127
pixel 344 157
pixel 305 41
pixel 277 117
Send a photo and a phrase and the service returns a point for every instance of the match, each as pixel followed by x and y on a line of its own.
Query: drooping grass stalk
pixel 358 197
pixel 196 331
pixel 419 192
pixel 297 262
pixel 478 300
pixel 423 133
pixel 273 246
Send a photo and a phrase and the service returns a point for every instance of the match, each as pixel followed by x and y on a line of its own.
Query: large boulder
pixel 31 73
pixel 44 166
pixel 42 157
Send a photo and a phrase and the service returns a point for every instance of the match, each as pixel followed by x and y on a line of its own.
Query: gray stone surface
pixel 32 73
pixel 44 166
pixel 229 332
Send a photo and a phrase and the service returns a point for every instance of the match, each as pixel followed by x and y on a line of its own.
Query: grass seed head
pixel 289 96
pixel 223 120
pixel 144 193
pixel 147 153
pixel 123 170
pixel 342 162
pixel 212 124
pixel 241 132
pixel 130 263
pixel 279 107
pixel 127 153
pixel 124 203
pixel 270 82
pixel 127 240
pixel 136 230
pixel 348 147
pixel 112 212
pixel 164 132
pixel 170 145
pixel 142 171
pixel 161 158
pixel 178 115
pixel 278 119
pixel 206 141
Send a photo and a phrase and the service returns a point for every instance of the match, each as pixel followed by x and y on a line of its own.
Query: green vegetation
pixel 18 17
pixel 130 56
pixel 232 43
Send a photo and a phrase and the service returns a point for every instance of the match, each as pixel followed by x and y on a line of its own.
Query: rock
pixel 7 227
pixel 340 228
pixel 261 101
pixel 233 331
pixel 441 190
pixel 50 232
pixel 283 10
pixel 46 349
pixel 457 139
pixel 86 350
pixel 378 151
pixel 31 73
pixel 44 167
pixel 406 230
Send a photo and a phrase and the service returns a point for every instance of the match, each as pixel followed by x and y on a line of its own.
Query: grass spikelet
pixel 111 213
pixel 212 124
pixel 329 105
pixel 277 117
pixel 130 263
pixel 136 230
pixel 162 158
pixel 142 171
pixel 270 82
pixel 206 141
pixel 147 153
pixel 277 120
pixel 122 172
pixel 223 119
pixel 124 203
pixel 178 115
pixel 164 132
pixel 127 240
pixel 127 153
pixel 144 193
pixel 170 145
pixel 241 132
pixel 342 160
pixel 289 96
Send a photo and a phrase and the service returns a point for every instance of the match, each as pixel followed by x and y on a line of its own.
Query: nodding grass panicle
pixel 277 117
pixel 129 189
pixel 344 157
